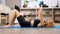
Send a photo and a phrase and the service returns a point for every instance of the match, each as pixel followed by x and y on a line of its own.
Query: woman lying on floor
pixel 24 23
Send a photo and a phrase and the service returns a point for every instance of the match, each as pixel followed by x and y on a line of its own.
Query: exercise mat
pixel 3 27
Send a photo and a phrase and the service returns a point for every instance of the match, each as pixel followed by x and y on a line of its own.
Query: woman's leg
pixel 14 14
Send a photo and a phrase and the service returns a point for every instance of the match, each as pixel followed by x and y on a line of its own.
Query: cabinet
pixel 57 14
pixel 53 13
pixel 32 12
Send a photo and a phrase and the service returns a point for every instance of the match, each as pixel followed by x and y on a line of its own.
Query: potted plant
pixel 25 3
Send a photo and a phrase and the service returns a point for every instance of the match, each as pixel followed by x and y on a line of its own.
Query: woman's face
pixel 48 21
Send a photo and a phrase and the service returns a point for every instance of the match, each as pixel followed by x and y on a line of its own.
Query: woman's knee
pixel 17 13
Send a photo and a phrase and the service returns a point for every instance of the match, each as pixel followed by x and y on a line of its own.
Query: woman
pixel 24 23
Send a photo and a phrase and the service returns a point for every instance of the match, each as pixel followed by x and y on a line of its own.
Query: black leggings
pixel 24 23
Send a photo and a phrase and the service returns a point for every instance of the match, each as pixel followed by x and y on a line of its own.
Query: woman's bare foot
pixel 8 26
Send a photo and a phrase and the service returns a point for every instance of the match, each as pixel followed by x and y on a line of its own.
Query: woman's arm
pixel 40 15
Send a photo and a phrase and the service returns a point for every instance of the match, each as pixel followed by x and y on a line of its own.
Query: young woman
pixel 24 23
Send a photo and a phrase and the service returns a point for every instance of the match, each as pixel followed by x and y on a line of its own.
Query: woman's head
pixel 49 23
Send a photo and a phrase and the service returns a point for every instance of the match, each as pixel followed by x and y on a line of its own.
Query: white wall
pixel 0 1
pixel 59 3
pixel 50 3
pixel 12 3
pixel 3 2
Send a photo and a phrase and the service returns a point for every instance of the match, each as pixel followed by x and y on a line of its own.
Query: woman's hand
pixel 41 24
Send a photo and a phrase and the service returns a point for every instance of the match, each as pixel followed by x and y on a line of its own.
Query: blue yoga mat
pixel 27 27
pixel 32 27
pixel 56 27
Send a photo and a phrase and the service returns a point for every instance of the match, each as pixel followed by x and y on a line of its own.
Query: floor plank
pixel 30 31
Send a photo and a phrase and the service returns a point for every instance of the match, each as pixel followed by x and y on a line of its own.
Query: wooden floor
pixel 30 31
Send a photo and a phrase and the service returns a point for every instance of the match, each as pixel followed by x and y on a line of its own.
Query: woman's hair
pixel 17 8
pixel 51 24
